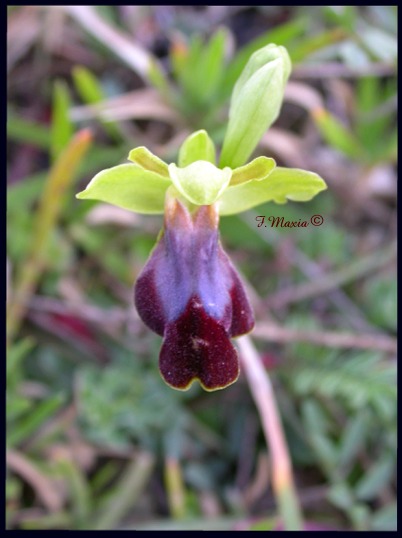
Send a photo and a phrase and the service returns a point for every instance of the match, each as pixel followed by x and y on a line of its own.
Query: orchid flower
pixel 189 292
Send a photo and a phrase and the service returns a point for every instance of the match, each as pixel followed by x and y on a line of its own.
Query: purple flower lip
pixel 190 293
pixel 197 347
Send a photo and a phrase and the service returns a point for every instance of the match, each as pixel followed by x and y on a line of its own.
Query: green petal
pixel 257 170
pixel 197 147
pixel 281 185
pixel 130 187
pixel 147 160
pixel 200 182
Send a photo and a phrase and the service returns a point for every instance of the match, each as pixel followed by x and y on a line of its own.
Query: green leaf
pixel 87 85
pixel 361 380
pixel 255 104
pixel 341 495
pixel 62 128
pixel 91 92
pixel 185 61
pixel 79 491
pixel 199 70
pixel 148 161
pixel 381 301
pixel 386 518
pixel 33 419
pixel 157 77
pixel 16 406
pixel 336 134
pixel 353 438
pixel 17 353
pixel 256 170
pixel 210 70
pixel 197 147
pixel 359 514
pixel 280 185
pixel 178 56
pixel 344 16
pixel 129 488
pixel 382 45
pixel 57 520
pixel 314 43
pixel 128 186
pixel 200 182
pixel 27 131
pixel 375 117
pixel 266 524
pixel 379 475
pixel 325 449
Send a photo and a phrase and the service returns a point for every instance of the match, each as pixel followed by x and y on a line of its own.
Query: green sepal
pixel 129 186
pixel 197 147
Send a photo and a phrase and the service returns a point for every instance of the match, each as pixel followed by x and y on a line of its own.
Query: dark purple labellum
pixel 190 293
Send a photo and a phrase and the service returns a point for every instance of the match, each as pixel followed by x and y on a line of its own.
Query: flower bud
pixel 255 104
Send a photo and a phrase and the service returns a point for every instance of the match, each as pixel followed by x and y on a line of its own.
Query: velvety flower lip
pixel 196 346
pixel 190 293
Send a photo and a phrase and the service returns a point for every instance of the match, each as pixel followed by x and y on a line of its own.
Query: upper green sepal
pixel 197 147
pixel 129 186
pixel 200 182
pixel 280 185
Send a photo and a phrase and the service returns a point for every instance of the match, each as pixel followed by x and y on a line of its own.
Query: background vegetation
pixel 95 439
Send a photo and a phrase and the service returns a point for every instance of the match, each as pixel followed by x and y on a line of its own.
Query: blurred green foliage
pixel 86 408
pixel 372 137
pixel 124 404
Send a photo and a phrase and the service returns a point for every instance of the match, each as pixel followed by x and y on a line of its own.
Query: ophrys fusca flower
pixel 189 292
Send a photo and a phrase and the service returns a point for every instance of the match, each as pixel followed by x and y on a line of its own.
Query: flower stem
pixel 282 476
